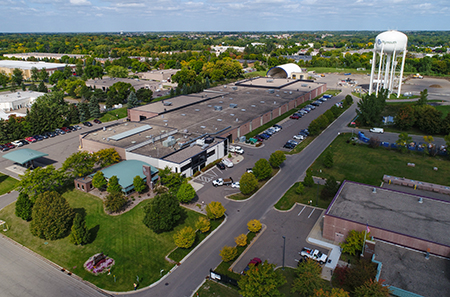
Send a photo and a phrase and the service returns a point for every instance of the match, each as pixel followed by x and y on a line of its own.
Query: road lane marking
pixel 301 210
pixel 311 213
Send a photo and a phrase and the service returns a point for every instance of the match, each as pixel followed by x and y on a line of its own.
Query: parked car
pixel 227 162
pixel 65 129
pixel 10 145
pixel 254 262
pixel 97 121
pixel 220 165
pixel 316 255
pixel 88 124
pixel 311 106
pixel 258 138
pixel 377 130
pixel 289 145
pixel 24 142
pixel 30 139
pixel 235 185
pixel 77 127
pixel 4 148
pixel 295 116
pixel 60 132
pixel 305 131
pixel 222 182
pixel 38 137
pixel 17 143
pixel 236 149
pixel 277 126
pixel 298 137
pixel 72 128
pixel 249 170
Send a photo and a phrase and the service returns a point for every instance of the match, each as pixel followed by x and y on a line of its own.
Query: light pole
pixel 284 248
pixel 317 194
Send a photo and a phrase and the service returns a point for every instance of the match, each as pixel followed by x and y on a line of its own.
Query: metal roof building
pixel 23 156
pixel 9 65
pixel 284 71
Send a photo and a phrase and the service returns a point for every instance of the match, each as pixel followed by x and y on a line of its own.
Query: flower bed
pixel 96 265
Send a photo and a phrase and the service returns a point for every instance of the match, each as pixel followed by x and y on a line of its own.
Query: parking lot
pixel 294 225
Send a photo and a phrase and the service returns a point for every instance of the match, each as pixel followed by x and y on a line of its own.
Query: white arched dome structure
pixel 388 44
pixel 284 71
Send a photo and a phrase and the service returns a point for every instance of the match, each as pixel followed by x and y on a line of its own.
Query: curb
pixel 246 249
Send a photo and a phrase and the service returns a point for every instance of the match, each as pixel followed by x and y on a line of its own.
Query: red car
pixel 30 139
pixel 10 145
pixel 294 117
pixel 97 121
pixel 254 262
pixel 65 129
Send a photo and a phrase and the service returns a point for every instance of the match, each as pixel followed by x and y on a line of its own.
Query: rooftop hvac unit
pixel 219 120
pixel 217 107
pixel 271 91
pixel 269 80
pixel 243 109
pixel 262 102
pixel 169 141
pixel 232 114
pixel 209 139
pixel 233 105
pixel 220 101
pixel 253 105
pixel 200 142
pixel 234 88
pixel 209 105
pixel 203 127
pixel 205 146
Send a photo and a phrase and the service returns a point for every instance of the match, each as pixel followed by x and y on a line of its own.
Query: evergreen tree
pixel 42 87
pixel 24 207
pixel 94 108
pixel 207 83
pixel 139 184
pixel 23 87
pixel 172 93
pixel 163 213
pixel 79 234
pixel 132 100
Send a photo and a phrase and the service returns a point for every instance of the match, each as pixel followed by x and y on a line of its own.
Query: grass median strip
pixel 7 183
pixel 310 194
pixel 261 183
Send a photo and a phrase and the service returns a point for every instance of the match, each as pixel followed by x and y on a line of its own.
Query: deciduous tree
pixel 203 224
pixel 185 237
pixel 117 71
pixel 254 225
pixel 79 234
pixel 162 213
pixel 330 189
pixel 79 164
pixel 144 95
pixel 241 240
pixel 139 184
pixel 40 180
pixel 354 242
pixel 262 169
pixel 248 183
pixel 262 280
pixel 300 189
pixel 106 157
pixel 308 181
pixel 228 253
pixel 215 210
pixel 52 216
pixel 372 288
pixel 113 185
pixel 99 181
pixel 114 201
pixel 308 278
pixel 186 192
pixel 405 118
pixel 276 159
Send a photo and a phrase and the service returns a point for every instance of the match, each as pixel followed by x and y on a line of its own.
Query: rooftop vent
pixel 183 114
pixel 205 146
pixel 262 102
pixel 233 105
pixel 218 107
pixel 271 91
pixel 234 88
pixel 167 103
pixel 197 109
pixel 420 200
pixel 243 109
pixel 232 114
pixel 219 120
pixel 203 127
pixel 220 101
pixel 237 120
pixel 253 105
pixel 209 105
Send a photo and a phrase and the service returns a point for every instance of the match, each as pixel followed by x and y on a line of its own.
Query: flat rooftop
pixel 194 115
pixel 394 210
pixel 11 97
pixel 29 65
pixel 408 269
pixel 109 81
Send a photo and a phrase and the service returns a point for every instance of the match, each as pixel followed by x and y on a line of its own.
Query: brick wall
pixel 134 114
pixel 337 228
pixel 94 146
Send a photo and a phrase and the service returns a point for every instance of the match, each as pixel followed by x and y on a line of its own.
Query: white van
pixel 227 162
pixel 377 130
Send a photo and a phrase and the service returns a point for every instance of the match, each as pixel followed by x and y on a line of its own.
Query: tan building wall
pixel 134 115
pixel 94 146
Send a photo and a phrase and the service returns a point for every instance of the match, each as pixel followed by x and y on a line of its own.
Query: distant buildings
pixel 13 101
pixel 8 67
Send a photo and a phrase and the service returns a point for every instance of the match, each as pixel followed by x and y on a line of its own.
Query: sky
pixel 221 15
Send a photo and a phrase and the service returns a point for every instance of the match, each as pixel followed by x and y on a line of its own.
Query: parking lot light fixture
pixel 284 248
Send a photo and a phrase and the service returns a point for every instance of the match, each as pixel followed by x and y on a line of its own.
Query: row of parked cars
pixel 265 135
pixel 50 134
pixel 308 108
pixel 292 143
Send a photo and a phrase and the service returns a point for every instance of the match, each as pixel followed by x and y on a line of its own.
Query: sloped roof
pixel 23 155
pixel 126 171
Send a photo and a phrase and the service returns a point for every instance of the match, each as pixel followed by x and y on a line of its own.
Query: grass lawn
pixel 255 74
pixel 290 197
pixel 212 288
pixel 366 165
pixel 179 253
pixel 301 145
pixel 445 109
pixel 111 115
pixel 7 183
pixel 136 249
pixel 240 196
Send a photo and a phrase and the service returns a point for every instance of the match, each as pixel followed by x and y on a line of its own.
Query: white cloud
pixel 80 2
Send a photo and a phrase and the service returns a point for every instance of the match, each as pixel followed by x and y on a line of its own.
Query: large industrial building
pixel 105 83
pixel 8 67
pixel 190 131
pixel 405 219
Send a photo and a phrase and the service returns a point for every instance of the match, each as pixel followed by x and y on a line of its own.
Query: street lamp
pixel 284 248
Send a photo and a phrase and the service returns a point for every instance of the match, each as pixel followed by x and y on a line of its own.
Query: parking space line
pixel 311 213
pixel 301 210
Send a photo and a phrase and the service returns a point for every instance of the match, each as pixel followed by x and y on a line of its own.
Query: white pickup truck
pixel 316 255
pixel 222 182
pixel 236 149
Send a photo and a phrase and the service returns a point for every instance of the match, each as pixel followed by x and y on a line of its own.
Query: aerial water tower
pixel 389 45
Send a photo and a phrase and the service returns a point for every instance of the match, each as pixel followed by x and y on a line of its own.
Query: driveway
pixel 294 225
